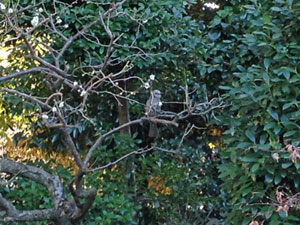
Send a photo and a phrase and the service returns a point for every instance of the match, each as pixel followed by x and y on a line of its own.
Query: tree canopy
pixel 75 79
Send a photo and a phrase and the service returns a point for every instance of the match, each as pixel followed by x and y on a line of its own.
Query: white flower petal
pixel 61 104
pixel 75 83
pixel 44 116
pixel 41 10
pixel 83 93
pixel 2 6
pixel 10 10
pixel 146 85
pixel 54 109
pixel 35 21
pixel 152 77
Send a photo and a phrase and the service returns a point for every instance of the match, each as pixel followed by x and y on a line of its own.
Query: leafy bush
pixel 259 45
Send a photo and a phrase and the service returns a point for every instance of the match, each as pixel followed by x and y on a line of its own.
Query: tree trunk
pixel 123 111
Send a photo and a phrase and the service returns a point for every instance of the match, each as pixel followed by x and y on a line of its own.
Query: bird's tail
pixel 153 130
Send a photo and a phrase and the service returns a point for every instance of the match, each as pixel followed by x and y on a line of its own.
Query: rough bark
pixel 52 183
pixel 123 111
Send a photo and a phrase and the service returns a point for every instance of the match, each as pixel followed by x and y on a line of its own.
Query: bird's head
pixel 156 94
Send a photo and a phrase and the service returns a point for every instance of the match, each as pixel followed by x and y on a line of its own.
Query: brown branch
pixel 186 132
pixel 31 215
pixel 40 60
pixel 137 152
pixel 137 121
pixel 82 31
pixel 72 147
pixel 21 73
pixel 32 98
pixel 52 183
pixel 166 150
pixel 89 196
pixel 8 206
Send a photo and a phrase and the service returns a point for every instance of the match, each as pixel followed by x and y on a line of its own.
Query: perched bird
pixel 152 109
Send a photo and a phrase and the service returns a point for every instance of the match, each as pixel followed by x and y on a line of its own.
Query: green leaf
pixel 222 13
pixel 277 129
pixel 297 164
pixel 266 18
pixel 275 222
pixel 225 87
pixel 233 156
pixel 277 179
pixel 296 182
pixel 283 173
pixel 289 133
pixel 270 168
pixel 246 220
pixel 243 145
pixel 267 62
pixel 276 9
pixel 269 125
pixel 214 35
pixel 255 167
pixel 273 113
pixel 216 21
pixel 249 159
pixel 268 178
pixel 250 134
pixel 287 105
pixel 294 218
pixel 266 78
pixel 282 214
pixel 278 56
pixel 101 50
pixel 286 165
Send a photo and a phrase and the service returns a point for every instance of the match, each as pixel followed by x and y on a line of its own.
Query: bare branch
pixel 102 137
pixel 24 72
pixel 136 152
pixel 32 98
pixel 72 147
pixel 52 183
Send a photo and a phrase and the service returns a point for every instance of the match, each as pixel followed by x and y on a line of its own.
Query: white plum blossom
pixel 83 93
pixel 66 26
pixel 2 6
pixel 61 104
pixel 152 77
pixel 45 116
pixel 10 10
pixel 75 83
pixel 35 21
pixel 160 103
pixel 54 109
pixel 41 10
pixel 146 85
pixel 59 21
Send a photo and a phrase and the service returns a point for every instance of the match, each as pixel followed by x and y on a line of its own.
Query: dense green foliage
pixel 247 53
pixel 259 47
pixel 157 187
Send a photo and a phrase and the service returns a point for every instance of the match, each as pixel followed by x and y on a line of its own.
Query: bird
pixel 152 109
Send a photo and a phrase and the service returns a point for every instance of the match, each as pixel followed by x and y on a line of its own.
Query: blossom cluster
pixel 3 7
